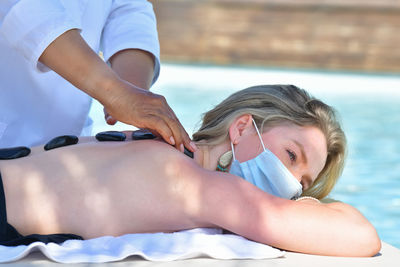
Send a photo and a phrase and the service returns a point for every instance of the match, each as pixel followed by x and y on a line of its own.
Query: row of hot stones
pixel 67 140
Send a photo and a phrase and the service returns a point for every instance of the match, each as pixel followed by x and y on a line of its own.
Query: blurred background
pixel 360 35
pixel 345 52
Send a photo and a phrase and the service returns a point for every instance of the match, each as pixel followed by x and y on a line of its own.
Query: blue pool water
pixel 369 106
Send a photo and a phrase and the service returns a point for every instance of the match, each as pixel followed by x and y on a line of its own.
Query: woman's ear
pixel 240 127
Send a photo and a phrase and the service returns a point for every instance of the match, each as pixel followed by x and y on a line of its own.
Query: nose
pixel 303 177
pixel 302 174
pixel 297 173
pixel 306 181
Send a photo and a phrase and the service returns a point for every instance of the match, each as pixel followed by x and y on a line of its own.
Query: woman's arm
pixel 326 229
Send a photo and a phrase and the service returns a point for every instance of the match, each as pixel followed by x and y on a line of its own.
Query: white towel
pixel 154 247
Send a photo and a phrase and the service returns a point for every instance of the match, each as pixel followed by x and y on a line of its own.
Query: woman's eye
pixel 292 155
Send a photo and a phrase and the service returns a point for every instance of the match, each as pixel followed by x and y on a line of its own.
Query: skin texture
pixel 94 189
pixel 121 89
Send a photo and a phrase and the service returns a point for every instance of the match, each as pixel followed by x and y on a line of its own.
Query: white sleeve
pixel 31 25
pixel 131 25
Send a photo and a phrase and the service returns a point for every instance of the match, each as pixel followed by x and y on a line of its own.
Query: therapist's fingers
pixel 168 126
pixel 179 133
pixel 108 118
pixel 146 110
pixel 159 117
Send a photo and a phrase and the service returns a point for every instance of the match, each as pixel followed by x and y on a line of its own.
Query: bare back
pixel 94 189
pixel 98 188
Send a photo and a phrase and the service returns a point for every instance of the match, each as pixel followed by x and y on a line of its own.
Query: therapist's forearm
pixel 71 57
pixel 134 66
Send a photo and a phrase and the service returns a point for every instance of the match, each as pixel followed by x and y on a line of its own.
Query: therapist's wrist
pixel 105 86
pixel 111 89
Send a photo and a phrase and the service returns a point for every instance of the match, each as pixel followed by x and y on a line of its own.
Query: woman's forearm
pixel 335 229
pixel 325 229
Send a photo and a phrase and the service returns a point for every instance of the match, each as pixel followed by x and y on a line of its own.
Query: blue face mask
pixel 268 173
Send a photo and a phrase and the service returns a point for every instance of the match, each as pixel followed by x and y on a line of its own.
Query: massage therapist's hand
pixel 146 110
pixel 71 57
pixel 136 68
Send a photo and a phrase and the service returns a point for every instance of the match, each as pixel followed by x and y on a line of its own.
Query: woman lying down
pixel 260 152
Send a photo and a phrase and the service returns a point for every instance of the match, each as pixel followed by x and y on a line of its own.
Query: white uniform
pixel 36 104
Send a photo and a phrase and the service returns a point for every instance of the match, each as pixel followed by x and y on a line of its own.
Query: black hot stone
pixel 14 152
pixel 188 153
pixel 111 136
pixel 141 135
pixel 60 141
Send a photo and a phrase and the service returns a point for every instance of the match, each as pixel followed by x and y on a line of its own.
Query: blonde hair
pixel 271 105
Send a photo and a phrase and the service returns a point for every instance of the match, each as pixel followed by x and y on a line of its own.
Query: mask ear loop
pixel 233 151
pixel 259 135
